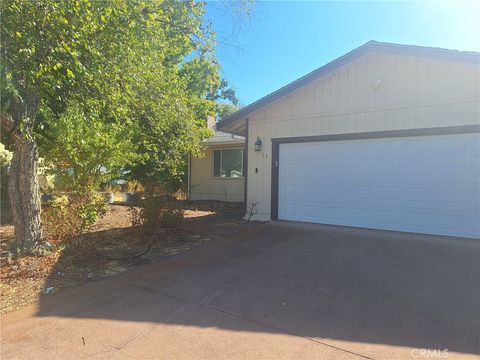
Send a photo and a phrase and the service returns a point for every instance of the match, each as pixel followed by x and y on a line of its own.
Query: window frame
pixel 242 150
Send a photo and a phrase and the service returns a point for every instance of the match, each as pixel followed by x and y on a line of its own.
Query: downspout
pixel 245 167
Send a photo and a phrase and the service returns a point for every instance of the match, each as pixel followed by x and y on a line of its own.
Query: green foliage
pixel 5 159
pixel 83 149
pixel 156 212
pixel 73 213
pixel 168 130
pixel 226 109
pixel 112 83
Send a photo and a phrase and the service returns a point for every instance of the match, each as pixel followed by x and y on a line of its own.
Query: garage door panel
pixel 427 184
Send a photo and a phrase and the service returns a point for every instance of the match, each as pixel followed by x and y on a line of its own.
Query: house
pixel 384 137
pixel 218 174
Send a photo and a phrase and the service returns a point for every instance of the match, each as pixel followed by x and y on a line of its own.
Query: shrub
pixel 72 214
pixel 5 159
pixel 156 212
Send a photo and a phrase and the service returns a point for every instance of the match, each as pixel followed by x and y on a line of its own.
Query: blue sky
pixel 283 41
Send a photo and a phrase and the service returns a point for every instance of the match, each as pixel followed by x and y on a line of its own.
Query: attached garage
pixel 385 137
pixel 422 184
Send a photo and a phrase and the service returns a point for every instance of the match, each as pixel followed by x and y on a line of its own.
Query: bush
pixel 156 212
pixel 5 159
pixel 72 214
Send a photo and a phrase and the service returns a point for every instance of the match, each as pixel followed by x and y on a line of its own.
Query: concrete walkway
pixel 272 291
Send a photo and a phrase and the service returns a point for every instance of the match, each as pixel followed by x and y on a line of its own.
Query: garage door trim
pixel 450 130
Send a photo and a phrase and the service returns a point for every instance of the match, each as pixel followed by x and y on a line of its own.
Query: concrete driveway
pixel 271 291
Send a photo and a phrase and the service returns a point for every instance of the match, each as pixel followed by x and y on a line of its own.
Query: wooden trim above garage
pixel 245 166
pixel 447 130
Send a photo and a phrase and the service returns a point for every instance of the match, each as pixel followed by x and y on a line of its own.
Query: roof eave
pixel 238 141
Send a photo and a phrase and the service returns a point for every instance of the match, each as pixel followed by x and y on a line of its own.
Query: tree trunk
pixel 24 193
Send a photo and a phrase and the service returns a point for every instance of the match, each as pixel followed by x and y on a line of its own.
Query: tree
pixel 82 149
pixel 175 104
pixel 53 52
pixel 226 109
pixel 47 51
pixel 96 68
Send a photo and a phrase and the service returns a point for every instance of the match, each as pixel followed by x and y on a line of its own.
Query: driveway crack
pixel 204 304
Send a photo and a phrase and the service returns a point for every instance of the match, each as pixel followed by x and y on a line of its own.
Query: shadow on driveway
pixel 278 290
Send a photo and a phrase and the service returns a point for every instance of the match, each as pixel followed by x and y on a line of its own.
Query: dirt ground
pixel 112 246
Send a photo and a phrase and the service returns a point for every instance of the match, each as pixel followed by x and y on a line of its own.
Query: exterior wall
pixel 204 186
pixel 378 91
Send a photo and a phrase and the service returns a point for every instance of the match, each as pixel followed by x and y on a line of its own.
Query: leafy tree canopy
pixel 226 109
pixel 110 83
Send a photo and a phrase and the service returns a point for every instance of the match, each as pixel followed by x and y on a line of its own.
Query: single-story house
pixel 218 174
pixel 386 137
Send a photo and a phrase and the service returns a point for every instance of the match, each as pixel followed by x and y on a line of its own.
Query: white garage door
pixel 425 184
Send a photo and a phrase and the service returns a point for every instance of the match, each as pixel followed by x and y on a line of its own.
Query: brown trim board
pixel 245 166
pixel 274 186
pixel 447 130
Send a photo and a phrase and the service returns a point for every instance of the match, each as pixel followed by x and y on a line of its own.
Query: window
pixel 228 163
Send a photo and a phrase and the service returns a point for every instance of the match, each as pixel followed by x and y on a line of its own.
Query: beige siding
pixel 378 91
pixel 204 186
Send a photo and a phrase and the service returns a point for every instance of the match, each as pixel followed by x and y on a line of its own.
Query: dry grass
pixel 112 246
